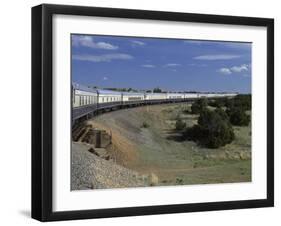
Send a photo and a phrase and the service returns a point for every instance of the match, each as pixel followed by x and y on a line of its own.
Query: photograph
pixel 152 111
pixel 141 112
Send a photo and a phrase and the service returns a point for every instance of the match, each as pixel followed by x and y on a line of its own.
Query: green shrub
pixel 213 129
pixel 199 105
pixel 179 180
pixel 145 125
pixel 222 113
pixel 193 133
pixel 238 117
pixel 180 125
pixel 218 103
pixel 186 110
pixel 241 101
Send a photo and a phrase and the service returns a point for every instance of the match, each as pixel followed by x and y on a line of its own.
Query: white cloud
pixel 88 41
pixel 231 45
pixel 139 43
pixel 243 67
pixel 105 78
pixel 148 65
pixel 225 71
pixel 172 65
pixel 103 57
pixel 235 69
pixel 216 57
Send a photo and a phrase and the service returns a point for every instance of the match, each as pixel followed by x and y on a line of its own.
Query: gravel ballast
pixel 88 171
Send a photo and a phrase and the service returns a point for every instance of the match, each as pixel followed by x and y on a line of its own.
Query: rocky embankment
pixel 89 171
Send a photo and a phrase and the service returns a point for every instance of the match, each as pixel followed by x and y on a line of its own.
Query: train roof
pixel 106 91
pixel 83 88
pixel 155 93
pixel 132 93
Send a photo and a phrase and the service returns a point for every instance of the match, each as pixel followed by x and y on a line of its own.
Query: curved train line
pixel 88 102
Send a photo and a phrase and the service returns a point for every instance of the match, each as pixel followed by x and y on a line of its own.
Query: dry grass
pixel 157 149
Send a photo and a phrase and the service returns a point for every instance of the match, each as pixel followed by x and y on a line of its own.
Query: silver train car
pixel 88 101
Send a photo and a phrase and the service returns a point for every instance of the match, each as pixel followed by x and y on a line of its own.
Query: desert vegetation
pixel 170 145
pixel 199 105
pixel 214 126
pixel 213 129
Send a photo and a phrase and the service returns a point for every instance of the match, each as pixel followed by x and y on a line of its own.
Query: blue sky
pixel 170 64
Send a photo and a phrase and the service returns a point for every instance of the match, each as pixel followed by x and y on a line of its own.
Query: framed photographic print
pixel 145 112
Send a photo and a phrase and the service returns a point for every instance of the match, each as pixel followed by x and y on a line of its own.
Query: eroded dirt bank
pixel 145 142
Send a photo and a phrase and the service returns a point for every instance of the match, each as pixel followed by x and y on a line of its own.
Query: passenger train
pixel 88 101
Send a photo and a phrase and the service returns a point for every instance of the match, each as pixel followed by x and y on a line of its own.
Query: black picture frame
pixel 42 111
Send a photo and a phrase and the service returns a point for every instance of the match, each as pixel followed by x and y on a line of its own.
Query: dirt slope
pixel 156 149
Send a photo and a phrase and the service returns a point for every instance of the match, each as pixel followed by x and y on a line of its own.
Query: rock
pixel 244 155
pixel 89 171
pixel 92 150
pixel 153 179
pixel 107 157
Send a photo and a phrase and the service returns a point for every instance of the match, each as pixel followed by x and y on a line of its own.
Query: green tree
pixel 238 117
pixel 180 125
pixel 222 113
pixel 218 103
pixel 199 105
pixel 241 101
pixel 157 90
pixel 213 129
